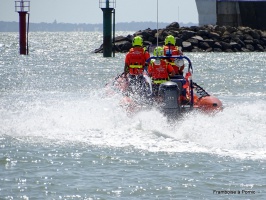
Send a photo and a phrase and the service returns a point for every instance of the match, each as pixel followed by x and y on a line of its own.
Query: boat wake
pixel 94 120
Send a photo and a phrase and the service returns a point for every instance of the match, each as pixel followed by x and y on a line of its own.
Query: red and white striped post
pixel 23 7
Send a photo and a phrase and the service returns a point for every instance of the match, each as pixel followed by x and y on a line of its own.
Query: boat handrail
pixel 176 57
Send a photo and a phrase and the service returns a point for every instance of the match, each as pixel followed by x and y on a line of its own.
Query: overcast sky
pixel 88 11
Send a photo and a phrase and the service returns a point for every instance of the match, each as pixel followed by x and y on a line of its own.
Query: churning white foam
pixel 238 131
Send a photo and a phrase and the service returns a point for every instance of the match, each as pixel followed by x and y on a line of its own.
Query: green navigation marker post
pixel 108 8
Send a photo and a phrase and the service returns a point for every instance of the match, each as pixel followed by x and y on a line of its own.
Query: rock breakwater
pixel 208 38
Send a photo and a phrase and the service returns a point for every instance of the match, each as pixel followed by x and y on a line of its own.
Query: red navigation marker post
pixel 23 7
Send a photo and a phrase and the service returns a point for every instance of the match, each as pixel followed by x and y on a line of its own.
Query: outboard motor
pixel 169 92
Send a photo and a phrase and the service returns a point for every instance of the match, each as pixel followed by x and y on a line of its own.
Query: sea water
pixel 62 137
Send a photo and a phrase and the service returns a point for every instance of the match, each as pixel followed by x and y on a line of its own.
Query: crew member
pixel 159 69
pixel 171 50
pixel 135 62
pixel 136 58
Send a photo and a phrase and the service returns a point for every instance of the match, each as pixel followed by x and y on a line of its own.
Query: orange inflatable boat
pixel 178 95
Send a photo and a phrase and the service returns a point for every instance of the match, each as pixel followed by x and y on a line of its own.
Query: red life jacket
pixel 159 71
pixel 136 60
pixel 174 52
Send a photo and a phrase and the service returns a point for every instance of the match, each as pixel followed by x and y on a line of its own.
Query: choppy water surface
pixel 62 138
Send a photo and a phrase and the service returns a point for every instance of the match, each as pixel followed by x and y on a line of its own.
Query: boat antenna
pixel 157 24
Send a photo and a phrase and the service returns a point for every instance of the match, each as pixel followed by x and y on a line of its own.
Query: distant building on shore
pixel 251 13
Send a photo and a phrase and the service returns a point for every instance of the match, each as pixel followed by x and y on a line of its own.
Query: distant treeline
pixel 55 27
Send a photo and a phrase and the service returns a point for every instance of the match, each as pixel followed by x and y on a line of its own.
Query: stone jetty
pixel 208 38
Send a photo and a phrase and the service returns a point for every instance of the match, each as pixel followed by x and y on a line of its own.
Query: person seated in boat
pixel 171 50
pixel 159 70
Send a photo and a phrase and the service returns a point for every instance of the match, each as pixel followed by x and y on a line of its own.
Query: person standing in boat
pixel 171 50
pixel 178 64
pixel 135 61
pixel 159 70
